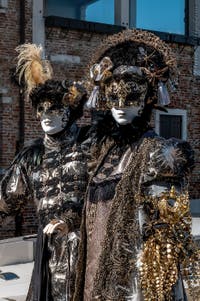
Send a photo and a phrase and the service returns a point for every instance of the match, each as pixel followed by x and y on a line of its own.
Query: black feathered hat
pixel 131 56
pixel 36 75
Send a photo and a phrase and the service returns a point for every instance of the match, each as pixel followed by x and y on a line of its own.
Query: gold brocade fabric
pixel 129 235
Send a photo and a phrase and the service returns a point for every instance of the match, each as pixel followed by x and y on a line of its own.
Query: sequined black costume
pixel 53 173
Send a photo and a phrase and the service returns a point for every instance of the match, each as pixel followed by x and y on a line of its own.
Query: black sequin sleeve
pixel 15 190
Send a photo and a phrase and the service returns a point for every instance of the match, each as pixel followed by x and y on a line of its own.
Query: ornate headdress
pixel 131 66
pixel 36 76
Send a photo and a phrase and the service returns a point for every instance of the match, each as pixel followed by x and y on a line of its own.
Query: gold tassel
pixel 169 247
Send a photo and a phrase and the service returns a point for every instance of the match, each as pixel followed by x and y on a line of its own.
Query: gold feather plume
pixel 31 67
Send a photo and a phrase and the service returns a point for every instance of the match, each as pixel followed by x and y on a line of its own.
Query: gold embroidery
pixel 168 247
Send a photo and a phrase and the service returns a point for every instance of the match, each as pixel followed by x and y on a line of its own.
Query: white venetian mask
pixel 53 118
pixel 126 115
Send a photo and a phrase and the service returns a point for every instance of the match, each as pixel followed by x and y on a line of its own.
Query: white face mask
pixel 124 116
pixel 53 124
pixel 53 118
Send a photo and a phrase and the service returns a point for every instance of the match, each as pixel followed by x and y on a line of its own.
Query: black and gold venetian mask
pixel 121 87
pixel 127 87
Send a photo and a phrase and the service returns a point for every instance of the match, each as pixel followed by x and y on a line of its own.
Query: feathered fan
pixel 30 66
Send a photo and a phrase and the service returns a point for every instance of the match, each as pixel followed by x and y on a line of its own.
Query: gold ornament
pixel 169 248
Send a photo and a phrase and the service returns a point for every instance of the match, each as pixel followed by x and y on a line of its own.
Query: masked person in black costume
pixel 52 172
pixel 136 239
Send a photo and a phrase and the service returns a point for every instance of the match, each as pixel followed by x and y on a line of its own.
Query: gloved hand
pixel 54 226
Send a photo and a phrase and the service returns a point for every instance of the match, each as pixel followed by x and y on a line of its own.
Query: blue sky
pixel 161 15
pixel 101 11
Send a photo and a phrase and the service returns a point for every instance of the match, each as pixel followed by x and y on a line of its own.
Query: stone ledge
pixel 16 250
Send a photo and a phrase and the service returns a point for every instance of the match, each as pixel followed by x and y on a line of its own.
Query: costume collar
pixel 66 137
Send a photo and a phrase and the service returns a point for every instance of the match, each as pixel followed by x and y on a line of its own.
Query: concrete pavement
pixel 16 289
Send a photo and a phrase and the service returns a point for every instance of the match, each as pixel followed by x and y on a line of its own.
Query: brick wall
pixel 78 45
pixel 187 97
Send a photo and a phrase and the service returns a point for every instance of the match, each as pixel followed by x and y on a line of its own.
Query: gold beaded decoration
pixel 169 248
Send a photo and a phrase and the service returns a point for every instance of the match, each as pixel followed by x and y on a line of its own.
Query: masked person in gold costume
pixel 136 239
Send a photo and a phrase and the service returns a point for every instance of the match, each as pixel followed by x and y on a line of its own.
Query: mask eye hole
pixel 40 109
pixel 53 108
